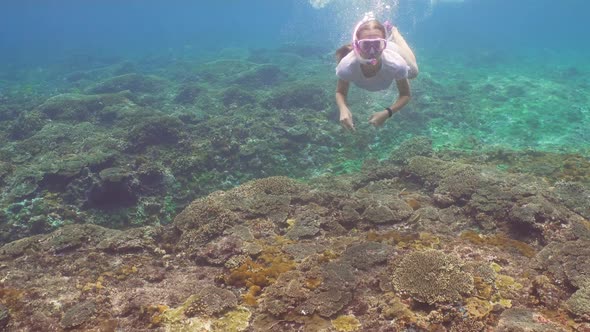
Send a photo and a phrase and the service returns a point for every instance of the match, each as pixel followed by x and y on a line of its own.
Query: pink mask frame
pixel 371 47
pixel 357 47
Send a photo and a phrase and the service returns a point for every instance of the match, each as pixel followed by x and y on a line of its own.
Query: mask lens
pixel 372 46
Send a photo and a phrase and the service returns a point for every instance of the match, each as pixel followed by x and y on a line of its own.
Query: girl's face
pixel 371 42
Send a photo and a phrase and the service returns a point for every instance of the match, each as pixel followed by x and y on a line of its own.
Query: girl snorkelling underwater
pixel 377 56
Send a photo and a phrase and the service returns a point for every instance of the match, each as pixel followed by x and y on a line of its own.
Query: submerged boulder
pixel 136 83
pixel 261 76
pixel 77 107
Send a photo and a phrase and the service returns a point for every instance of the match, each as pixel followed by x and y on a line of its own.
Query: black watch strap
pixel 389 111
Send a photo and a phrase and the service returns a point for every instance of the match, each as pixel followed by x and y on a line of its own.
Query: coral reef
pixel 132 82
pixel 432 277
pixel 151 195
pixel 273 254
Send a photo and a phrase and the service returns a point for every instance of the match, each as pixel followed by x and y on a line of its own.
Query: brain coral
pixel 432 277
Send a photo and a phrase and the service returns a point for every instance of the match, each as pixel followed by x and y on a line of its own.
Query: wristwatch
pixel 389 111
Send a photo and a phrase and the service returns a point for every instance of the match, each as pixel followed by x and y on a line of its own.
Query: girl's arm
pixel 403 86
pixel 345 114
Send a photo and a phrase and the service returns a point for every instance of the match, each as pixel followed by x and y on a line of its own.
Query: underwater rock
pixel 349 215
pixel 27 124
pixel 549 294
pixel 76 107
pixel 19 247
pixel 579 302
pixel 365 255
pixel 299 96
pixel 387 209
pixel 168 277
pixel 24 188
pixel 235 96
pixel 136 83
pixel 4 316
pixel 72 166
pixel 567 262
pixel 5 170
pixel 261 76
pixel 287 293
pixel 468 325
pixel 335 293
pixel 306 224
pixel 116 187
pixel 525 320
pixel 493 197
pixel 432 277
pixel 415 146
pixel 202 221
pixel 78 315
pixel 219 251
pixel 301 250
pixel 131 241
pixel 154 130
pixel 188 94
pixel 211 301
pixel 206 218
pixel 298 293
pixel 575 196
pixel 71 237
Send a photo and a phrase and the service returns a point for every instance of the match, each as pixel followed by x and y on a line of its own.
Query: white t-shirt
pixel 393 67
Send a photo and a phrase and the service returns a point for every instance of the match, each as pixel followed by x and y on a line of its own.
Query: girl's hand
pixel 346 119
pixel 378 118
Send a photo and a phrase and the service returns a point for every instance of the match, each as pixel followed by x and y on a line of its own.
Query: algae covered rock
pixel 132 82
pixel 116 187
pixel 299 96
pixel 567 262
pixel 78 315
pixel 188 94
pixel 261 76
pixel 4 316
pixel 576 196
pixel 27 124
pixel 432 277
pixel 452 182
pixel 208 217
pixel 579 302
pixel 155 130
pixel 336 292
pixel 386 209
pixel 79 107
pixel 525 320
pixel 415 146
pixel 210 301
pixel 365 255
pixel 235 96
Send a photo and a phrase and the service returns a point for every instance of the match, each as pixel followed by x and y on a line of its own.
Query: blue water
pixel 38 31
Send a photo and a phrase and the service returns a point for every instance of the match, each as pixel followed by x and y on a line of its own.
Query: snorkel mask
pixel 368 50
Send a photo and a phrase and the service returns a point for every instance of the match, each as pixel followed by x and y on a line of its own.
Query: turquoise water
pixel 197 97
pixel 180 166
